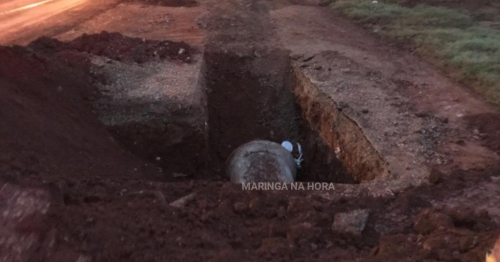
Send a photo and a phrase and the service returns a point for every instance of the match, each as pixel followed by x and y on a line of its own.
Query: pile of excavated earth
pixel 114 141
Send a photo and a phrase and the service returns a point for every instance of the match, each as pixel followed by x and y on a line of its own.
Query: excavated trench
pixel 251 97
pixel 243 96
pixel 265 97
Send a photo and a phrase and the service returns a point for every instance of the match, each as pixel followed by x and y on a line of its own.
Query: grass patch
pixel 455 38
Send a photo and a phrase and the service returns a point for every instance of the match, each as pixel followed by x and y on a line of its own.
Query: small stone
pixel 365 111
pixel 307 59
pixel 352 222
pixel 179 175
pixel 183 201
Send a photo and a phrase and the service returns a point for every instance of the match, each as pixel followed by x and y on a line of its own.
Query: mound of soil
pixel 47 130
pixel 118 47
pixel 50 139
pixel 125 220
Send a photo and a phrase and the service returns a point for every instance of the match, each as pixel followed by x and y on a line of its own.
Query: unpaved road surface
pixel 101 131
pixel 16 16
pixel 22 21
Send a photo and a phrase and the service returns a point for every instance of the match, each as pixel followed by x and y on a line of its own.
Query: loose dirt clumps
pixel 118 47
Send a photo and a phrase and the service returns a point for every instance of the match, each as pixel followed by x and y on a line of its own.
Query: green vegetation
pixel 453 38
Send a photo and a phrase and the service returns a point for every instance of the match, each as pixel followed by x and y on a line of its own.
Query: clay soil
pixel 99 202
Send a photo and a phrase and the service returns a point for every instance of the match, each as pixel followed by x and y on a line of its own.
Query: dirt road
pixel 16 16
pixel 22 21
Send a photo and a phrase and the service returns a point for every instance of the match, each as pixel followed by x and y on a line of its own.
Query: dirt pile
pixel 47 126
pixel 118 47
pixel 51 140
pixel 120 220
pixel 47 129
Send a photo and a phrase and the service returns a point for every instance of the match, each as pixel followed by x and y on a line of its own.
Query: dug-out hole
pixel 251 97
pixel 233 97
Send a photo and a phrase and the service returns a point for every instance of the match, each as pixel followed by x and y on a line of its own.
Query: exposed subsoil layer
pixel 246 103
pixel 250 97
pixel 107 205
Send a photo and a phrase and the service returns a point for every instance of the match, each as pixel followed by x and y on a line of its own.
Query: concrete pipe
pixel 261 161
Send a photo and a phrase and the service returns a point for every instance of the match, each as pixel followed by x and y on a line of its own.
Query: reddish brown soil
pixel 118 47
pixel 106 205
pixel 44 113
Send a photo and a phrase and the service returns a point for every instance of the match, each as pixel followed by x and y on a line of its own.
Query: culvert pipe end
pixel 261 161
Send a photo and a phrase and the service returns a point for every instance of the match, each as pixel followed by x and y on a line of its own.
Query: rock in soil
pixel 182 202
pixel 352 222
